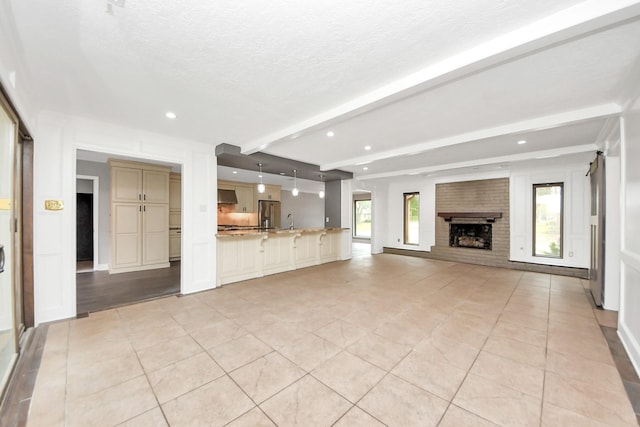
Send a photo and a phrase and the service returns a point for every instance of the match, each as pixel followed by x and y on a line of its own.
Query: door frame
pixel 96 217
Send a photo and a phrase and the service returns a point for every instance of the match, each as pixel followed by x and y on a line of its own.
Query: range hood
pixel 227 197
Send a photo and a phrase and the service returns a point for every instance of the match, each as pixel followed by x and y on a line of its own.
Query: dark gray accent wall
pixel 100 170
pixel 307 210
pixel 332 203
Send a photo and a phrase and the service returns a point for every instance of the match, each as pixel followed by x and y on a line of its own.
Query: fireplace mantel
pixel 489 216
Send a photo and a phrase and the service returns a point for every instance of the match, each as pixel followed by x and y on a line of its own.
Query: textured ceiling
pixel 460 79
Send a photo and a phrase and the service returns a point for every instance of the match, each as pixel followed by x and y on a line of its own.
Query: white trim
pixel 630 345
pixel 96 216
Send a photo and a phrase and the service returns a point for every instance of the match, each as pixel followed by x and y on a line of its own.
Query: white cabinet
pixel 245 199
pixel 175 192
pixel 175 216
pixel 175 245
pixel 126 184
pixel 271 192
pixel 139 216
pixel 245 193
pixel 138 185
pixel 126 226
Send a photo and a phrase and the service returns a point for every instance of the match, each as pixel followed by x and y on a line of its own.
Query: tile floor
pixel 377 340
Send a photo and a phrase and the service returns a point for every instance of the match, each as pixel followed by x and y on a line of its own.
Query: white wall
pixel 389 211
pixel 394 225
pixel 576 238
pixel 612 227
pixel 57 138
pixel 629 314
pixel 101 170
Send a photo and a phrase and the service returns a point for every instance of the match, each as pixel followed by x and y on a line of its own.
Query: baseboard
pixel 581 273
pixel 630 345
pixel 101 267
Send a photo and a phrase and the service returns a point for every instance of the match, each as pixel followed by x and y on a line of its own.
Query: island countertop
pixel 262 232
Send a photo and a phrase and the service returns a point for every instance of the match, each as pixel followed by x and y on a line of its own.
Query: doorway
pixel 96 288
pixel 10 239
pixel 87 220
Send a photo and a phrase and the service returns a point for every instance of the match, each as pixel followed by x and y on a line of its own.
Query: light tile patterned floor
pixel 378 340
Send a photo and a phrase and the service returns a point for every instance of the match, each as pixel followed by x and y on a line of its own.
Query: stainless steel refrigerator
pixel 268 214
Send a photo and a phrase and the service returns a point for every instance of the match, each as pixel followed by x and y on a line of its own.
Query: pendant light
pixel 294 192
pixel 261 186
pixel 321 193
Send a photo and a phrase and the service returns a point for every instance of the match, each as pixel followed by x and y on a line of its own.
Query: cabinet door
pixel 174 244
pixel 127 231
pixel 273 193
pixel 175 194
pixel 126 185
pixel 155 187
pixel 245 199
pixel 155 234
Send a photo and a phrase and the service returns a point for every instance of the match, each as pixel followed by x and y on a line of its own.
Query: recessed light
pixel 365 168
pixel 234 172
pixel 330 133
pixel 170 115
pixel 367 147
pixel 522 141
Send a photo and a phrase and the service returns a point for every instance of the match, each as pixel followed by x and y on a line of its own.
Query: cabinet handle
pixel 139 196
pixel 144 209
pixel 144 198
pixel 140 207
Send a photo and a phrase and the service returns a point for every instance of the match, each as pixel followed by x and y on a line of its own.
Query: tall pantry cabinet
pixel 139 216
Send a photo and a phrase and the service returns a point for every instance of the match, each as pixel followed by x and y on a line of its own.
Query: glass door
pixel 8 214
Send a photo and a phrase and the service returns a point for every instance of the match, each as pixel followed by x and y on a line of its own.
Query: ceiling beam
pixel 536 124
pixel 532 155
pixel 581 19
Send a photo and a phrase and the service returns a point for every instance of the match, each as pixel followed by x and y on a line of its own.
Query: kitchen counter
pixel 250 253
pixel 261 231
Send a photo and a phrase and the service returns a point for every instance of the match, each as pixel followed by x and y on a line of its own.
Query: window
pixel 411 218
pixel 547 224
pixel 362 219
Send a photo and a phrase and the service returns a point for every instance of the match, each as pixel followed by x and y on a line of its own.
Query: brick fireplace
pixel 478 213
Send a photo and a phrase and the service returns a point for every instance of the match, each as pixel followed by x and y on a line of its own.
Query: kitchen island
pixel 247 254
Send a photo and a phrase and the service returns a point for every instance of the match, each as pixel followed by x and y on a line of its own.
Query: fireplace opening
pixel 476 236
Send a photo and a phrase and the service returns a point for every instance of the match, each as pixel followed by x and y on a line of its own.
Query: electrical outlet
pixel 398 240
pixel 326 219
pixel 571 254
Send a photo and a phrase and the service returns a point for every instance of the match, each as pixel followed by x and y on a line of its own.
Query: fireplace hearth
pixel 475 236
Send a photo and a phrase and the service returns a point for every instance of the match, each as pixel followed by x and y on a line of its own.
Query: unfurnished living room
pixel 320 213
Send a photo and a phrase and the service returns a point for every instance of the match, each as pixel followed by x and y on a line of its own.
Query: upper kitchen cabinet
pixel 245 193
pixel 139 182
pixel 271 192
pixel 126 184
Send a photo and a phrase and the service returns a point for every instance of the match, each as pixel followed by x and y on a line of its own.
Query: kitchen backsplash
pixel 226 216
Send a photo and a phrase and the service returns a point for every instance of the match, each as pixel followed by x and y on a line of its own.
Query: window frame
pixel 355 219
pixel 406 215
pixel 534 208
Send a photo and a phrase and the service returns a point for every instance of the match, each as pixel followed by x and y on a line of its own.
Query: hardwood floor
pixel 99 290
